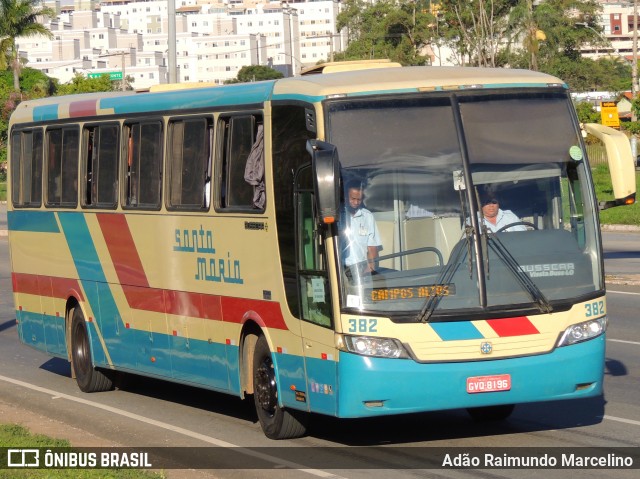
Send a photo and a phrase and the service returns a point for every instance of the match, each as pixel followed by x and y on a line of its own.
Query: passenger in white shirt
pixel 361 239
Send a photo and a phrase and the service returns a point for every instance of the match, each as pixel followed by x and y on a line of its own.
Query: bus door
pixel 315 300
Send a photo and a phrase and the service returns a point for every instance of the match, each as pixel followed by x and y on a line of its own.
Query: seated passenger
pixel 495 218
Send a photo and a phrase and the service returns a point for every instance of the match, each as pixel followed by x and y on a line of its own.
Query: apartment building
pixel 213 39
pixel 616 21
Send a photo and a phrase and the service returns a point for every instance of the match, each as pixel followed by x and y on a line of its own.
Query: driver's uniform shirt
pixel 360 232
pixel 504 218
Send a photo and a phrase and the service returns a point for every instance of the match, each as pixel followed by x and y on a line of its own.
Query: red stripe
pixel 25 283
pixel 145 299
pixel 195 305
pixel 518 326
pixel 122 249
pixel 48 286
pixel 235 309
pixel 82 108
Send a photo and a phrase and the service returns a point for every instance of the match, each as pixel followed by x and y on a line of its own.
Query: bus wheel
pixel 88 378
pixel 491 413
pixel 276 422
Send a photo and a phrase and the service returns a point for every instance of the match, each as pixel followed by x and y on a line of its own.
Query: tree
pixel 399 30
pixel 476 30
pixel 19 18
pixel 81 84
pixel 587 112
pixel 251 73
pixel 541 36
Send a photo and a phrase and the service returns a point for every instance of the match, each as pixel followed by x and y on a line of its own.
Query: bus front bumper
pixel 376 386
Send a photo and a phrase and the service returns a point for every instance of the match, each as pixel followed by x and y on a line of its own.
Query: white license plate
pixel 489 384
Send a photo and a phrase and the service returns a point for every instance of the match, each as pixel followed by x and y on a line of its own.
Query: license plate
pixel 489 384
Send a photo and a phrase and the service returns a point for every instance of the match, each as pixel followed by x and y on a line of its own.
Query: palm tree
pixel 19 18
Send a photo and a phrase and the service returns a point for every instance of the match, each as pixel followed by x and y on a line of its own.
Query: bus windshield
pixel 463 203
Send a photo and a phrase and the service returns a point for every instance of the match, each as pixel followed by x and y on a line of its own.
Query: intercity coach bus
pixel 194 235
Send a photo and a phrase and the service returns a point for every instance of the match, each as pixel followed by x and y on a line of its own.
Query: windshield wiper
pixel 529 286
pixel 445 277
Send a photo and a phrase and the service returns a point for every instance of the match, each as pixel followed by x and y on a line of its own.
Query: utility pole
pixel 123 83
pixel 634 66
pixel 172 60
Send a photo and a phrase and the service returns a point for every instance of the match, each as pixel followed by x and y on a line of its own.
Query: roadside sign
pixel 112 75
pixel 609 114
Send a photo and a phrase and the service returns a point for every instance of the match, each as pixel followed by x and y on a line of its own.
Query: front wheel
pixel 88 378
pixel 276 422
pixel 491 413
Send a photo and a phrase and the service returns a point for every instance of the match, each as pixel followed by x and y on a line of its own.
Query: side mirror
pixel 621 167
pixel 326 179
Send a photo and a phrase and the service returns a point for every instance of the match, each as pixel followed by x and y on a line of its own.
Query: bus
pixel 195 235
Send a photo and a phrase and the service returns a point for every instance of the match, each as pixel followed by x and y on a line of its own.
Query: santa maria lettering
pixel 208 265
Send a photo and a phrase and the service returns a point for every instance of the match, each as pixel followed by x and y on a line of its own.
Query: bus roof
pixel 332 67
pixel 307 88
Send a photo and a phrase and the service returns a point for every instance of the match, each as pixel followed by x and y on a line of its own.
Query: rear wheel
pixel 88 378
pixel 491 413
pixel 276 422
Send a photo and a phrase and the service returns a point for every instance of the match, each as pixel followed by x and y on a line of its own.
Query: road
pixel 144 413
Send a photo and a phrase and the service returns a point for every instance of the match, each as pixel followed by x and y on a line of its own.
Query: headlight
pixel 577 333
pixel 371 346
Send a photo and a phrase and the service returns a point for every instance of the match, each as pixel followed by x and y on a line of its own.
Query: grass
pixel 3 191
pixel 621 215
pixel 14 436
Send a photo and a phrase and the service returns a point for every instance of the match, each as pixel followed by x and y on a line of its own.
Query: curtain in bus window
pixel 17 172
pixel 106 182
pixel 189 162
pixel 62 172
pixel 144 161
pixel 150 164
pixel 254 171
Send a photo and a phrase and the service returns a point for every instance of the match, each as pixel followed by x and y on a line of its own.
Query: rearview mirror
pixel 326 178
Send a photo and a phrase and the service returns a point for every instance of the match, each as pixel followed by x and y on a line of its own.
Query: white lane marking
pixel 621 419
pixel 624 341
pixel 170 427
pixel 622 292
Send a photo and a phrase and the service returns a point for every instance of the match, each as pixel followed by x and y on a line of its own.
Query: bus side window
pixel 144 164
pixel 189 163
pixel 100 165
pixel 26 165
pixel 62 166
pixel 238 134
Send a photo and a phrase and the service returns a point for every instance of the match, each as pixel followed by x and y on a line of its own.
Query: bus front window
pixel 414 171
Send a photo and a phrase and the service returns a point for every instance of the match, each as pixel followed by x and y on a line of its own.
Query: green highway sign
pixel 112 75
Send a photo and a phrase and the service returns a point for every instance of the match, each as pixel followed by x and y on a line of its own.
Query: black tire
pixel 491 413
pixel 88 378
pixel 276 422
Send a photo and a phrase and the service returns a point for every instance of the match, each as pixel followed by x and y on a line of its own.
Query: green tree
pixel 251 73
pixel 19 18
pixel 477 31
pixel 81 84
pixel 587 112
pixel 543 36
pixel 399 30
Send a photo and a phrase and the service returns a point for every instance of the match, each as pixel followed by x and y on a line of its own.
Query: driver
pixel 495 218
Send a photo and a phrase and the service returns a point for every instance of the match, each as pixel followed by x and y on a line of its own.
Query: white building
pixel 213 39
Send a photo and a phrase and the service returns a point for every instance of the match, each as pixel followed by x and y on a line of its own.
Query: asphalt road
pixel 145 413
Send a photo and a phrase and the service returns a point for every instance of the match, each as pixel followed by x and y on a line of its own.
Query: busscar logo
pixel 23 458
pixel 550 269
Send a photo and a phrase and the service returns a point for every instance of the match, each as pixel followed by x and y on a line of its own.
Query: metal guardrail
pixel 597 155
